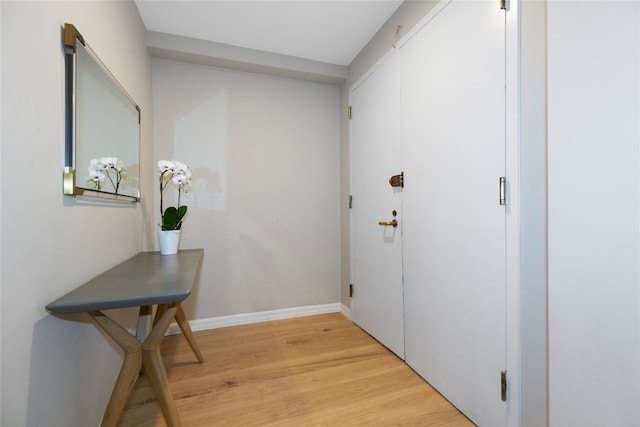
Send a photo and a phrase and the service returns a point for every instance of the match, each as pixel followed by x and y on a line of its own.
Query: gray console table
pixel 143 281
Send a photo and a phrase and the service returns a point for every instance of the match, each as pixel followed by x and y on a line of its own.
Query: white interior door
pixel 453 131
pixel 376 250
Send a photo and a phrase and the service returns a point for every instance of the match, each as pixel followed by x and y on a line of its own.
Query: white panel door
pixel 453 131
pixel 376 250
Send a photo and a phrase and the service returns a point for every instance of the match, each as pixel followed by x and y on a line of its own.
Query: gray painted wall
pixel 57 372
pixel 264 152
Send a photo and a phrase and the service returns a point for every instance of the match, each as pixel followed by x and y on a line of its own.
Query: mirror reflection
pixel 103 128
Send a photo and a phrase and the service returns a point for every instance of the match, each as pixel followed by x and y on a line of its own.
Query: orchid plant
pixel 102 168
pixel 180 175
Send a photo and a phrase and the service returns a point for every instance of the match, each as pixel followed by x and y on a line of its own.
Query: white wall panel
pixel 594 211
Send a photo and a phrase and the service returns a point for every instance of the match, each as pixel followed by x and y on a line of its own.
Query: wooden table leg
pixel 154 366
pixel 130 367
pixel 183 323
pixel 145 319
pixel 159 312
pixel 144 322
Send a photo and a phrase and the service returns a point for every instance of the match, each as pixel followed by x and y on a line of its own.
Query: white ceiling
pixel 331 31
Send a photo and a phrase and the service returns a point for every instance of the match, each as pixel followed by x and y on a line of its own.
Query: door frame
pixel 512 160
pixel 512 132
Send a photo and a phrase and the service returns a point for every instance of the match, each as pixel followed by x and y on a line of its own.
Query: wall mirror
pixel 102 127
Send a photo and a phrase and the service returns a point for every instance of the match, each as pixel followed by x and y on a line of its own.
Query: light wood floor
pixel 310 371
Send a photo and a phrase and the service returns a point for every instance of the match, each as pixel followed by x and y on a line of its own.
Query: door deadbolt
pixel 397 180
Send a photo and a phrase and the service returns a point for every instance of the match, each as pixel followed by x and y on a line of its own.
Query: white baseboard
pixel 261 316
pixel 346 311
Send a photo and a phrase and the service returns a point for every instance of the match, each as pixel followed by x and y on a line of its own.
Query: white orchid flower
pixel 180 179
pixel 165 166
pixel 96 165
pixel 96 175
pixel 179 174
pixel 99 171
pixel 180 168
pixel 109 162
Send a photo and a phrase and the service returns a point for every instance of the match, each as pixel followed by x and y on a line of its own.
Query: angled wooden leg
pixel 145 318
pixel 159 312
pixel 154 367
pixel 144 323
pixel 182 321
pixel 130 366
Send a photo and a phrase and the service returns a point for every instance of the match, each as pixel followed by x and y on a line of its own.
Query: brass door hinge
pixel 349 112
pixel 503 385
pixel 350 290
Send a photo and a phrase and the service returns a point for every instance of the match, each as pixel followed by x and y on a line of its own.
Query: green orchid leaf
pixel 172 218
pixel 169 219
pixel 182 211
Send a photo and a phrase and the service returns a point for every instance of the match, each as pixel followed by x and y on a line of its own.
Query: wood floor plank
pixel 311 371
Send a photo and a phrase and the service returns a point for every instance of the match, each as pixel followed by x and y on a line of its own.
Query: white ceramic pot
pixel 169 241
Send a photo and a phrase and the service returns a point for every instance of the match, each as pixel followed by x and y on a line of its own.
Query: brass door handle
pixel 393 223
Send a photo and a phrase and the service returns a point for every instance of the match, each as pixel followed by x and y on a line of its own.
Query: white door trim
pixel 512 161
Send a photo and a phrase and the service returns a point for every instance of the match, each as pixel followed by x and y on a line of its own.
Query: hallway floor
pixel 309 371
